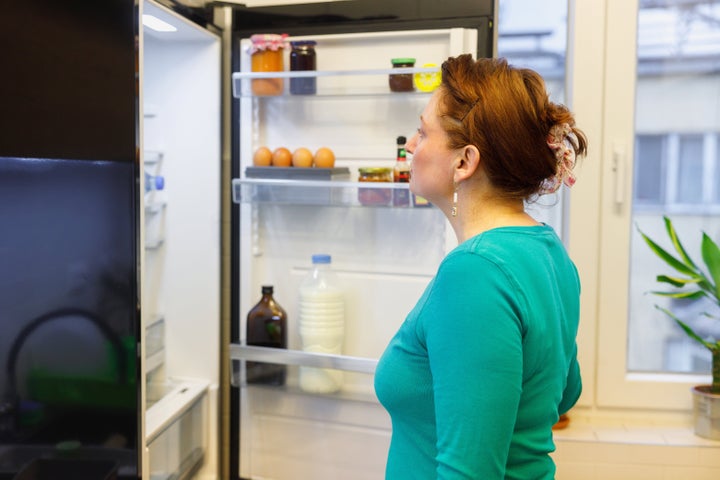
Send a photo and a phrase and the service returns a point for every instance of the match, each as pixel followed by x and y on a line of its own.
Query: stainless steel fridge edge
pixel 223 16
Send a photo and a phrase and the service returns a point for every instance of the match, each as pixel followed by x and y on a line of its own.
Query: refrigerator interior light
pixel 156 24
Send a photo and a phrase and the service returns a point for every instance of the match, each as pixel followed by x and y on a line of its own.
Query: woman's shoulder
pixel 504 242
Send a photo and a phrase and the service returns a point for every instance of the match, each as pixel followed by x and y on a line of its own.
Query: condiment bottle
pixel 266 55
pixel 303 58
pixel 266 327
pixel 401 174
pixel 402 82
pixel 321 324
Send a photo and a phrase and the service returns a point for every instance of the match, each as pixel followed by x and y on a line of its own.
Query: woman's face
pixel 432 166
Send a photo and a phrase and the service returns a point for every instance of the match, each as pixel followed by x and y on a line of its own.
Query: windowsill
pixel 632 428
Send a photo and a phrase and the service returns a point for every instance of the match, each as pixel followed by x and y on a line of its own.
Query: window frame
pixel 602 82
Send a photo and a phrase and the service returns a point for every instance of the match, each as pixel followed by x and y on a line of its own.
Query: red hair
pixel 506 113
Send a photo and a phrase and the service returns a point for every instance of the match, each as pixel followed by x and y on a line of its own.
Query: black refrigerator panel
pixel 69 316
pixel 69 79
pixel 358 16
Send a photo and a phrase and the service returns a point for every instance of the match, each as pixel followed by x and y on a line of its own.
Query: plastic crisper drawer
pixel 176 427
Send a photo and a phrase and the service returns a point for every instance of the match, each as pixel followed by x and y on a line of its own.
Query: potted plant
pixel 694 283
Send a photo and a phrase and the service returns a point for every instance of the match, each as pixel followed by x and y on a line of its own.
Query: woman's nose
pixel 409 145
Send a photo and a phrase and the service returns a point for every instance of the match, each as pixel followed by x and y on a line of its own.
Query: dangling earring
pixel 453 212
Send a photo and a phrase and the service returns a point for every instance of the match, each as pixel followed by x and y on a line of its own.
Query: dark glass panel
pixel 68 318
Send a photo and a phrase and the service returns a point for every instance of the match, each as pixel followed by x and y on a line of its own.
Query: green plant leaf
pixel 689 331
pixel 711 257
pixel 672 233
pixel 667 257
pixel 694 294
pixel 677 281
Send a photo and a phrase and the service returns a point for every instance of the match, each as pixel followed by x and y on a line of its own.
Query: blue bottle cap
pixel 321 258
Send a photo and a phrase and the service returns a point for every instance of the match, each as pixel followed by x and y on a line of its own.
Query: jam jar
pixel 303 58
pixel 401 82
pixel 375 196
pixel 266 55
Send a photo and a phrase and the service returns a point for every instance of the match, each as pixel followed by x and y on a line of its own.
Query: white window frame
pixel 601 92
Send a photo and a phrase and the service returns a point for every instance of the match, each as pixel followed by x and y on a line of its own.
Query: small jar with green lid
pixel 402 82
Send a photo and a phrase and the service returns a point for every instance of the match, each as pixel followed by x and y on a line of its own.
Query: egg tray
pixel 295 173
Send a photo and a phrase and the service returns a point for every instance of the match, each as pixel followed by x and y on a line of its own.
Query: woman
pixel 485 362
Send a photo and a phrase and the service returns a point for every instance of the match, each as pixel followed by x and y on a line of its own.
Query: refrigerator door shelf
pixel 317 192
pixel 175 427
pixel 306 359
pixel 241 82
pixel 154 207
pixel 152 157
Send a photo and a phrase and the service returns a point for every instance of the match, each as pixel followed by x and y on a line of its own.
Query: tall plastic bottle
pixel 321 324
pixel 401 174
pixel 266 327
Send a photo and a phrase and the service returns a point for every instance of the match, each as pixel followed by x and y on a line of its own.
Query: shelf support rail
pixel 239 352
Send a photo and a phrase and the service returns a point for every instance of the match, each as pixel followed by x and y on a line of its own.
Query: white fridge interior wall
pixel 181 269
pixel 181 87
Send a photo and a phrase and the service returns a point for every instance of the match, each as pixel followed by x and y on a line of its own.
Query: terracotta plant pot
pixel 706 412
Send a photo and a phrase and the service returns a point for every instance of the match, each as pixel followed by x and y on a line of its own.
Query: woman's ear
pixel 467 162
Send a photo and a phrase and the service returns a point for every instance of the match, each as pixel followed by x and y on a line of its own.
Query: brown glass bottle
pixel 266 327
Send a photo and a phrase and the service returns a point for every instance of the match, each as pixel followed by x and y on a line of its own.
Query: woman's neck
pixel 485 212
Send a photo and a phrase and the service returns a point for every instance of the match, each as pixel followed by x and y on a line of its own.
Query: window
pixel 646 96
pixel 534 35
pixel 690 170
pixel 650 170
pixel 676 171
pixel 659 138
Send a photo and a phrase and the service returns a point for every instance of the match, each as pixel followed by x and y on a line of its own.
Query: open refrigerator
pixel 384 256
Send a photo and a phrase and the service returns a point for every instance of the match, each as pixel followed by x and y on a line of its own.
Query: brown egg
pixel 281 157
pixel 262 157
pixel 324 158
pixel 302 157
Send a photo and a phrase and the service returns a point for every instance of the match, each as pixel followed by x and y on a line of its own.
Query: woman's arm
pixel 474 341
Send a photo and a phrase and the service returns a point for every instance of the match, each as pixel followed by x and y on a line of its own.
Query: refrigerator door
pixel 180 268
pixel 69 323
pixel 383 255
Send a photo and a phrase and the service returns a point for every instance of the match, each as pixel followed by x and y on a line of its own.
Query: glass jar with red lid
pixel 266 55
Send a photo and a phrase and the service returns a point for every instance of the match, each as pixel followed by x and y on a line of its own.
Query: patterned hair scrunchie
pixel 559 142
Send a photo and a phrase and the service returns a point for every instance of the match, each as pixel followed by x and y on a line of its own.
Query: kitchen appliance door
pixel 69 323
pixel 384 257
pixel 180 85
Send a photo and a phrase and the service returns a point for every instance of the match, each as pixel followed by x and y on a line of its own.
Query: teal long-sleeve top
pixel 486 361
